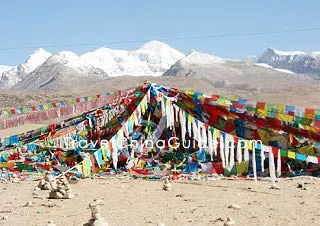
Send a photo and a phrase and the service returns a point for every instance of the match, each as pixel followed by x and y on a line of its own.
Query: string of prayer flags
pixel 59 104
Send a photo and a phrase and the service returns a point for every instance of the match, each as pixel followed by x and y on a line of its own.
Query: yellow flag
pixel 84 168
pixel 249 144
pixel 262 112
pixel 189 93
pixel 264 136
pixel 279 108
pixel 242 168
pixel 217 132
pixel 143 106
pixel 307 150
pixel 291 155
pixel 201 98
pixel 284 117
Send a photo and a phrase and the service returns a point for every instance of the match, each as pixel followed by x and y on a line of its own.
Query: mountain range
pixel 297 61
pixel 50 71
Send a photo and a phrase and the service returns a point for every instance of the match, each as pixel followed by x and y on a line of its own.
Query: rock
pixel 44 184
pixel 5 218
pixel 100 222
pixel 48 177
pixel 49 204
pixel 167 185
pixel 28 204
pixel 37 189
pixel 47 186
pixel 68 195
pixel 67 187
pixel 55 195
pixel 98 201
pixel 229 222
pixel 50 223
pixel 234 206
pixel 96 218
pixel 161 224
pixel 302 186
pixel 53 185
pixel 15 180
pixel 41 183
pixel 274 187
pixel 62 191
pixel 219 219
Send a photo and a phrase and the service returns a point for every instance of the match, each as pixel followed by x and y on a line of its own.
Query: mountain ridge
pixel 154 58
pixel 296 61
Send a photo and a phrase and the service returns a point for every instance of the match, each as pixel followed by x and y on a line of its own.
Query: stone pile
pixel 50 223
pixel 96 218
pixel 167 185
pixel 44 184
pixel 229 222
pixel 61 189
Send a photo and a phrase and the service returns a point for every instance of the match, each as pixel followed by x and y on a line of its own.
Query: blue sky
pixel 61 22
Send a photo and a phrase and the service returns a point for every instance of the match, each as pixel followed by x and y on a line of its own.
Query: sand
pixel 141 202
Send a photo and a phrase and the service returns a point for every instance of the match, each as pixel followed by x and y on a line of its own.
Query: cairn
pixel 61 189
pixel 50 223
pixel 229 222
pixel 167 185
pixel 96 218
pixel 44 184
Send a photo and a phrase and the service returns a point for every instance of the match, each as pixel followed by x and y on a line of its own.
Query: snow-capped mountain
pixel 232 74
pixel 296 61
pixel 152 59
pixel 192 59
pixel 64 69
pixel 14 75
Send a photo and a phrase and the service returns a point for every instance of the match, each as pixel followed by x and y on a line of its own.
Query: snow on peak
pixel 152 59
pixel 15 74
pixel 194 58
pixel 37 58
pixel 155 46
pixel 272 68
pixel 296 61
pixel 4 68
pixel 66 58
pixel 69 59
pixel 285 53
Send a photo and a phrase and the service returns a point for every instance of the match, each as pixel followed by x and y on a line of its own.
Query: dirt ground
pixel 141 202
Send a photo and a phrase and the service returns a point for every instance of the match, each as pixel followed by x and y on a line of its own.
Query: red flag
pixel 275 152
pixel 261 105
